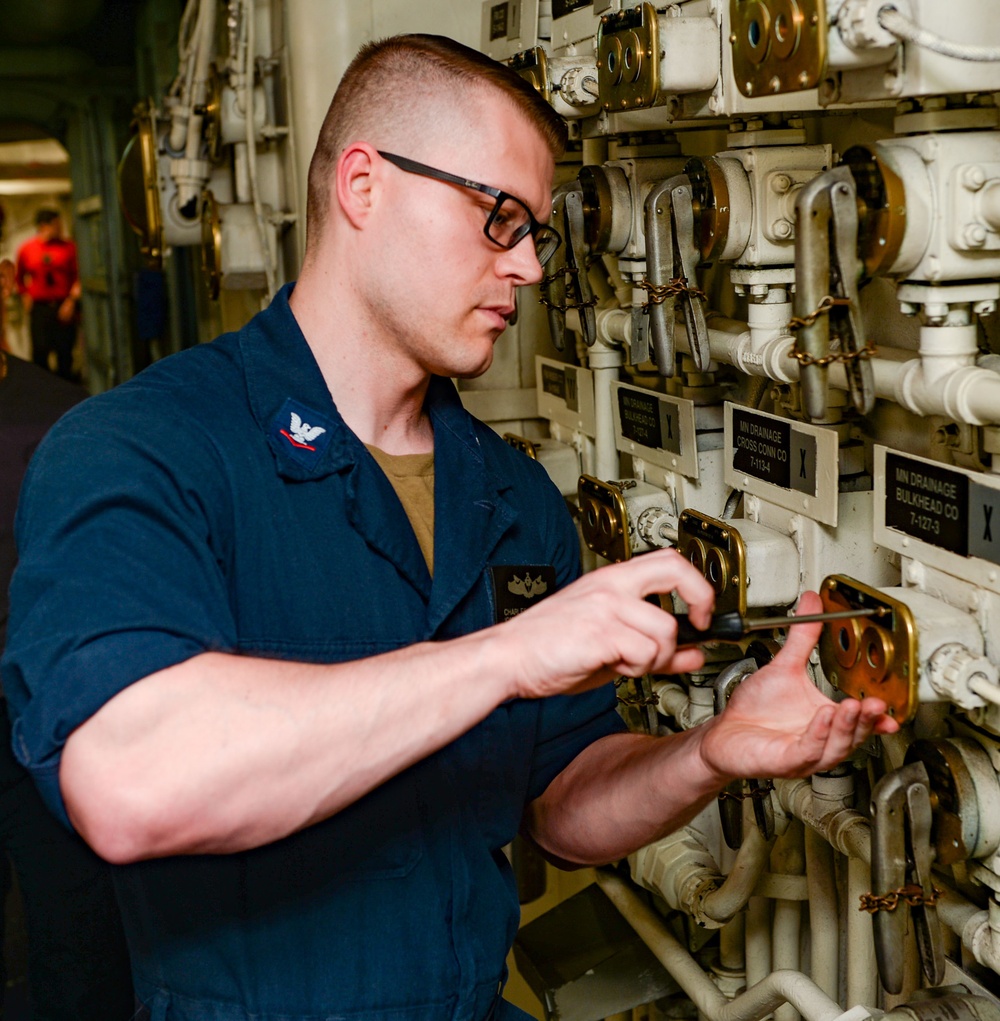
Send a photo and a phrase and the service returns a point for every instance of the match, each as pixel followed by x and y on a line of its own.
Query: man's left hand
pixel 67 310
pixel 778 723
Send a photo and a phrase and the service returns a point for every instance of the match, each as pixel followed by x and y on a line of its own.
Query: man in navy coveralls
pixel 252 649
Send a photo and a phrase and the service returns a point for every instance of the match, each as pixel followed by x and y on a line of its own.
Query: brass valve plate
pixel 778 45
pixel 604 519
pixel 532 66
pixel 710 200
pixel 874 656
pixel 628 58
pixel 520 443
pixel 881 208
pixel 717 550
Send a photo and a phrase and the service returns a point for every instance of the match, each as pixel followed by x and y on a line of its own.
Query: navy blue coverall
pixel 188 510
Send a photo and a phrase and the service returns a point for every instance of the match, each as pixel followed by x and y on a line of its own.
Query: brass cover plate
pixel 710 194
pixel 139 185
pixel 628 59
pixel 532 66
pixel 870 655
pixel 778 45
pixel 522 444
pixel 604 519
pixel 716 549
pixel 211 244
pixel 881 208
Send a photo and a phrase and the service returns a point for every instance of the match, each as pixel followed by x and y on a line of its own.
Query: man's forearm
pixel 621 793
pixel 223 753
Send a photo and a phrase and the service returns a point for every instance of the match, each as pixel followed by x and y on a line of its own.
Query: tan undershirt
pixel 412 476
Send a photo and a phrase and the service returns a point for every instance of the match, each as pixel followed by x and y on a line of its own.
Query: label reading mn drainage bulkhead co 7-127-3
pixel 928 501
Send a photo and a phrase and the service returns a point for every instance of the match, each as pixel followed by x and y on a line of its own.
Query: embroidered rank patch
pixel 300 432
pixel 517 588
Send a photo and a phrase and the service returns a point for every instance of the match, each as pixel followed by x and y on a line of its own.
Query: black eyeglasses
pixel 510 219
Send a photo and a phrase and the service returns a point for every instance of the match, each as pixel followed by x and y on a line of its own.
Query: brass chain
pixel 634 700
pixel 759 793
pixel 659 294
pixel 641 701
pixel 804 358
pixel 911 894
pixel 826 304
pixel 837 356
pixel 549 278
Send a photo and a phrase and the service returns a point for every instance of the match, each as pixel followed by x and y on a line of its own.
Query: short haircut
pixel 387 75
pixel 44 216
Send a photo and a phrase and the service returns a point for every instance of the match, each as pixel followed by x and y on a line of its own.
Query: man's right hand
pixel 602 626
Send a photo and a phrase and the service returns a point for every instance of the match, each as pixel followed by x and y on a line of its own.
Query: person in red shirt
pixel 50 288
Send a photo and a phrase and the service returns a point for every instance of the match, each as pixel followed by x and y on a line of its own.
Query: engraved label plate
pixel 944 516
pixel 565 394
pixel 656 428
pixel 791 464
pixel 984 522
pixel 928 501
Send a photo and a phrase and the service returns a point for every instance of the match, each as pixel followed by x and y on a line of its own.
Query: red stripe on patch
pixel 295 443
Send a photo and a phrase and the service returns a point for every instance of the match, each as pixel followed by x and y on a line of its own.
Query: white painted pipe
pixel 931 386
pixel 824 923
pixel 758 940
pixel 756 1003
pixel 862 969
pixel 788 860
pixel 682 869
pixel 203 49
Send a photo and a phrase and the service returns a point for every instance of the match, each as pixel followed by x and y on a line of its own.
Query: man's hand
pixel 67 310
pixel 778 723
pixel 622 792
pixel 601 626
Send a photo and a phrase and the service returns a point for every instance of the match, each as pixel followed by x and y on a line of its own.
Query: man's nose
pixel 521 262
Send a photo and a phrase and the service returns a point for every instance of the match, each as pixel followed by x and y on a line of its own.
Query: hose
pixel 902 27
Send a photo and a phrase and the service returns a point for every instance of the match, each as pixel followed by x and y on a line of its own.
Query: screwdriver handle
pixel 724 626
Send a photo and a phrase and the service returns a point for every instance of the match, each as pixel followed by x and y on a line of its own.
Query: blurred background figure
pixel 78 966
pixel 49 282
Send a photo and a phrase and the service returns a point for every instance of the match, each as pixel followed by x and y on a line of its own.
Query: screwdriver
pixel 729 627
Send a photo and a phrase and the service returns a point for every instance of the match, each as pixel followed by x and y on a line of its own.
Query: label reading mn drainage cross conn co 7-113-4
pixel 772 450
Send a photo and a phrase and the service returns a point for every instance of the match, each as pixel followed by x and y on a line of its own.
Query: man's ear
pixel 357 182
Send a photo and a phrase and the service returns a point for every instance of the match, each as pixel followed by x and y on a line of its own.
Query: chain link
pixel 550 278
pixel 826 304
pixel 658 295
pixel 911 894
pixel 804 358
pixel 759 793
pixel 641 701
pixel 837 356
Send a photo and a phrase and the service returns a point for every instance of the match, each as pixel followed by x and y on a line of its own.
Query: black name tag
pixel 518 587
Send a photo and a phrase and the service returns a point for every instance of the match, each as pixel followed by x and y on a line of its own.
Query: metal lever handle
pixel 828 203
pixel 844 208
pixel 901 859
pixel 552 289
pixel 659 273
pixel 576 258
pixel 682 211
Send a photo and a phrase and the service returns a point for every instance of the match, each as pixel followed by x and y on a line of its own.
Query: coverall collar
pixel 310 440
